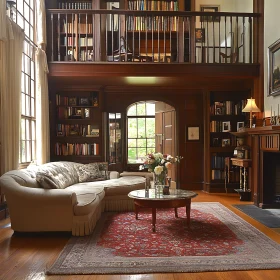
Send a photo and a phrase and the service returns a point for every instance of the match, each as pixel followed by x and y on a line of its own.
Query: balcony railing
pixel 151 36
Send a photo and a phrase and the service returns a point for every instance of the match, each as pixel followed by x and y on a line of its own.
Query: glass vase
pixel 159 181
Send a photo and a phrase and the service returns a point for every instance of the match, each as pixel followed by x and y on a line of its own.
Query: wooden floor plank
pixel 28 257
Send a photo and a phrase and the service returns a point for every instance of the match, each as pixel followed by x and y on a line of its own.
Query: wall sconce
pixel 250 108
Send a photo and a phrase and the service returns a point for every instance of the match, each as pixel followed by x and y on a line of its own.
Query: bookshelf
pixel 225 117
pixel 76 126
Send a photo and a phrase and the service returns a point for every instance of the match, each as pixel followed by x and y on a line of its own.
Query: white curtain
pixel 42 109
pixel 10 94
pixel 41 28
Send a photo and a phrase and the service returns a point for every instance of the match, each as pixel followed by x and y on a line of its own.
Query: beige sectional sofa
pixel 66 196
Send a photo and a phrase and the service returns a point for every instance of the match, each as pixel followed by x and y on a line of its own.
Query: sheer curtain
pixel 42 109
pixel 2 20
pixel 10 94
pixel 42 95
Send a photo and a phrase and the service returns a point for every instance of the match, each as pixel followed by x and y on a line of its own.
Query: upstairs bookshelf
pixel 225 116
pixel 76 126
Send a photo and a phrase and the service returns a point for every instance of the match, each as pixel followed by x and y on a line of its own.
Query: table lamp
pixel 250 108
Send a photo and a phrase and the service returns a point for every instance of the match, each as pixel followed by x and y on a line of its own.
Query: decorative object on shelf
pixel 210 8
pixel 192 133
pixel 200 35
pixel 274 68
pixel 159 165
pixel 226 126
pixel 251 107
pixel 225 142
pixel 239 126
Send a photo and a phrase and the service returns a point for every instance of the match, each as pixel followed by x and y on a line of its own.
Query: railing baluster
pixel 207 41
pixel 93 41
pixel 244 49
pixel 225 39
pixel 214 45
pixel 86 38
pixel 146 37
pixel 73 38
pixel 152 23
pixel 237 43
pixel 250 39
pixel 219 39
pixel 58 37
pixel 52 56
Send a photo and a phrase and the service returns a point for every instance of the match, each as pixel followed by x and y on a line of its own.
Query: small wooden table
pixel 151 199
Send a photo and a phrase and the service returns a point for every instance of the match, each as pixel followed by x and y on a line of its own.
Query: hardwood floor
pixel 27 257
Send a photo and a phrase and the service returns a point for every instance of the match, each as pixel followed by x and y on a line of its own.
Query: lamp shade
pixel 251 106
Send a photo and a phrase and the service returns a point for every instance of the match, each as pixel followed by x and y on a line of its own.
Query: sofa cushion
pixel 57 175
pixel 89 172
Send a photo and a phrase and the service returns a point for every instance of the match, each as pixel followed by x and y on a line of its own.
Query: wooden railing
pixel 151 36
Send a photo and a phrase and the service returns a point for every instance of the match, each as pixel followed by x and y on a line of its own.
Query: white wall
pixel 271 34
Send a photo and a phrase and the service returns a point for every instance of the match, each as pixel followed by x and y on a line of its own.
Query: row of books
pixel 69 149
pixel 153 5
pixel 217 161
pixel 73 113
pixel 218 175
pixel 74 5
pixel 75 101
pixel 227 107
pixel 220 126
pixel 77 130
pixel 156 23
pixel 86 55
pixel 224 142
pixel 69 26
pixel 221 175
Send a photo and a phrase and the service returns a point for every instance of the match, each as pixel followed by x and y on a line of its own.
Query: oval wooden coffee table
pixel 151 199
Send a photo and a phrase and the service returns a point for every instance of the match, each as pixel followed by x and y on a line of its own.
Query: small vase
pixel 159 181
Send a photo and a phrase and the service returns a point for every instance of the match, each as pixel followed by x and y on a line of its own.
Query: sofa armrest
pixel 147 175
pixel 114 174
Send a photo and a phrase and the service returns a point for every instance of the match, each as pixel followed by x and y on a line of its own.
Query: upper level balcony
pixel 152 36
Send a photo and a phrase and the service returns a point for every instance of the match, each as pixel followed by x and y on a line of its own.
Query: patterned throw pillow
pixel 89 172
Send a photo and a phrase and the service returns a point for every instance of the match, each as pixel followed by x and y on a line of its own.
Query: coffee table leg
pixel 154 215
pixel 188 211
pixel 176 212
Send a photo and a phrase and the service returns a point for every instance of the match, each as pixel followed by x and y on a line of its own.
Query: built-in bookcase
pixel 225 116
pixel 76 127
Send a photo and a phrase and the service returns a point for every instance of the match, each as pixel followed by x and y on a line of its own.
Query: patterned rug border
pixel 253 261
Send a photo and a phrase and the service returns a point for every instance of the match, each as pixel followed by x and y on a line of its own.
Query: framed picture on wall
pixel 274 68
pixel 211 9
pixel 192 133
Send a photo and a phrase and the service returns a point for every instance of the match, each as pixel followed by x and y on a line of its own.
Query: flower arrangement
pixel 158 163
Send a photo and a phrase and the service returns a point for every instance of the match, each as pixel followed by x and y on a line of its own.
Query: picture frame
pixel 212 9
pixel 84 101
pixel 192 133
pixel 216 142
pixel 239 125
pixel 274 69
pixel 72 101
pixel 226 142
pixel 226 126
pixel 199 35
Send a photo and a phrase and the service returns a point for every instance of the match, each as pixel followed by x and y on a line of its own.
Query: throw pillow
pixel 89 172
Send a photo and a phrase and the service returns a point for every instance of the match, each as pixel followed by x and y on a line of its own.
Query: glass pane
pixel 26 12
pixel 23 151
pixel 33 149
pixel 28 151
pixel 118 115
pixel 141 109
pixel 27 65
pixel 22 129
pixel 32 107
pixel 20 20
pixel 31 33
pixel 33 135
pixel 132 155
pixel 32 70
pixel 151 143
pixel 150 127
pixel 131 143
pixel 20 6
pixel 141 128
pixel 22 82
pixel 26 28
pixel 141 143
pixel 22 61
pixel 142 152
pixel 132 111
pixel 31 16
pixel 27 100
pixel 150 107
pixel 23 104
pixel 112 116
pixel 151 150
pixel 27 133
pixel 132 128
pixel 32 89
pixel 27 85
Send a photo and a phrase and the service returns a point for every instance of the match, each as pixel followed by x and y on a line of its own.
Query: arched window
pixel 140 130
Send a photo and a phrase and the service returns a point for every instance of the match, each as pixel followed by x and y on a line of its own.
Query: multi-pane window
pixel 140 131
pixel 23 13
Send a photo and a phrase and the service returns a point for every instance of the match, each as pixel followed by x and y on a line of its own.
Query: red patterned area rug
pixel 217 240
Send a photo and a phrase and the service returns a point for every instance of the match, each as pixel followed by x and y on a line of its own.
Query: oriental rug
pixel 217 240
